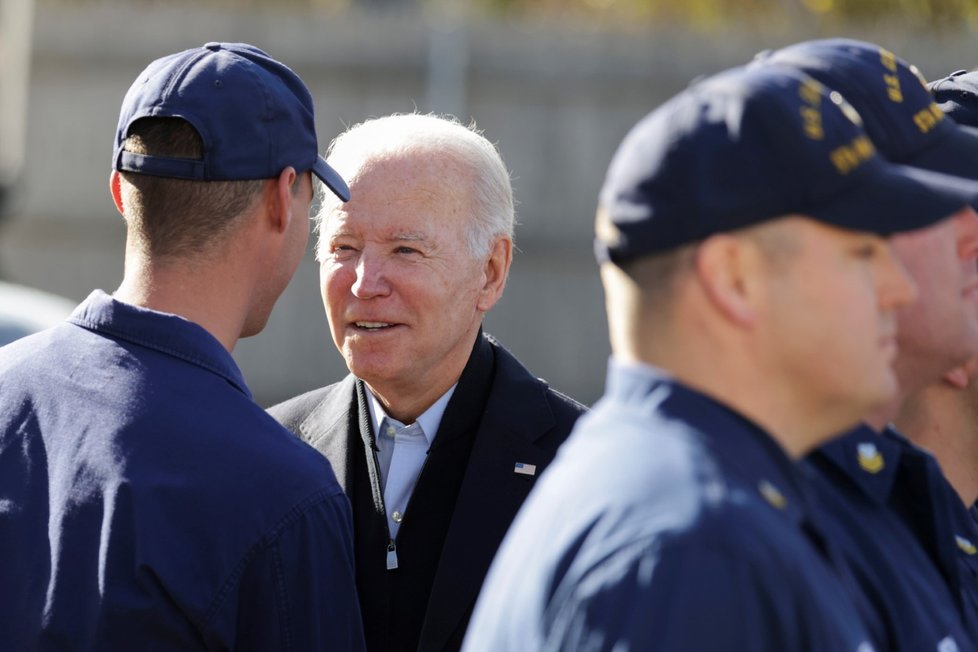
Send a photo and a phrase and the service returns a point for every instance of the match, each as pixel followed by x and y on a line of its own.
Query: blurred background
pixel 555 83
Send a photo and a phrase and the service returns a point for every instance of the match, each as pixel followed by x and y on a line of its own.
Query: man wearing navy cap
pixel 888 506
pixel 146 501
pixel 941 415
pixel 751 299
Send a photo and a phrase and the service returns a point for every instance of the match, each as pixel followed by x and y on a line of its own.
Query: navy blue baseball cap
pixel 254 115
pixel 898 112
pixel 752 144
pixel 957 95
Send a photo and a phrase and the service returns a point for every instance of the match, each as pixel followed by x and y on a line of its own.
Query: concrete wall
pixel 556 99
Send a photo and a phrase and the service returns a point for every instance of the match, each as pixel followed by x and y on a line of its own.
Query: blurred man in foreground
pixel 752 311
pixel 887 504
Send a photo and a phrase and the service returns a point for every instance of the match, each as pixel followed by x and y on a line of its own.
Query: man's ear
pixel 961 376
pixel 115 188
pixel 495 272
pixel 727 268
pixel 280 199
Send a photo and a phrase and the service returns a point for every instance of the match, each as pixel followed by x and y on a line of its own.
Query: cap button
pixel 214 46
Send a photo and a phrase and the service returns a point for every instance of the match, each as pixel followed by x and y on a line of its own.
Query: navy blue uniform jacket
pixel 667 522
pixel 887 507
pixel 148 503
pixel 468 492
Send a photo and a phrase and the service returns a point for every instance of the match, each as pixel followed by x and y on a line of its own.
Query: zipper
pixel 391 543
pixel 391 554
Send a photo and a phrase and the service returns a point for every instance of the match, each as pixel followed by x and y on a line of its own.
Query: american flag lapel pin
pixel 525 469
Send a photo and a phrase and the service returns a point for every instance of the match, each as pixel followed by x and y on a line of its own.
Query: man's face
pixel 831 318
pixel 402 290
pixel 940 329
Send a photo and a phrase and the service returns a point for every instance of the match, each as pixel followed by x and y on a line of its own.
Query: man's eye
pixel 342 250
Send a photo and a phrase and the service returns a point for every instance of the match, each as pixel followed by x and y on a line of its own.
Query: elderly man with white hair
pixel 438 432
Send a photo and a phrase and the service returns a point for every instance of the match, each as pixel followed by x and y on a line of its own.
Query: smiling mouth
pixel 372 325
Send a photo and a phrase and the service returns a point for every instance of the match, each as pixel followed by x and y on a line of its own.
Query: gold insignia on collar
pixel 966 546
pixel 772 494
pixel 870 459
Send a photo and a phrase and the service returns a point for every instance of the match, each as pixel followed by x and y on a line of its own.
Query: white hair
pixel 492 213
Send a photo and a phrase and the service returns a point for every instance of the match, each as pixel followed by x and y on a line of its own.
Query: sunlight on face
pixel 399 282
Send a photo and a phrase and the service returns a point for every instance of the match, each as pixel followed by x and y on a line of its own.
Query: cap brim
pixel 331 178
pixel 894 198
pixel 955 153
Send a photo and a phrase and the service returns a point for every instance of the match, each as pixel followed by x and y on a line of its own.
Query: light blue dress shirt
pixel 401 453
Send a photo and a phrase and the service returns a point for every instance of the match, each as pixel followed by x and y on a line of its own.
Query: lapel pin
pixel 965 545
pixel 869 457
pixel 525 469
pixel 772 494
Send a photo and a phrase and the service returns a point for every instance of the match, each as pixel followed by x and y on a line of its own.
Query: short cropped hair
pixel 493 213
pixel 656 277
pixel 175 217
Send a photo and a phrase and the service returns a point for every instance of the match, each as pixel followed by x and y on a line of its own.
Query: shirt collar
pixel 871 460
pixel 740 446
pixel 429 420
pixel 167 333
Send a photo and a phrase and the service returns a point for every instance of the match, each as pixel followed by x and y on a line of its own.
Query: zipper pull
pixel 391 555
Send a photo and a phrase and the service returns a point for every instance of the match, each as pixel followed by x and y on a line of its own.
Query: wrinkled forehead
pixel 404 164
pixel 410 185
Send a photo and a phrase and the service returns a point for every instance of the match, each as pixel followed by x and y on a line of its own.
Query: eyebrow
pixel 410 236
pixel 402 236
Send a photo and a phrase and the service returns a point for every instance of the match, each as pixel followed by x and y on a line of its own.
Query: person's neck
pixel 733 377
pixel 407 404
pixel 944 420
pixel 197 291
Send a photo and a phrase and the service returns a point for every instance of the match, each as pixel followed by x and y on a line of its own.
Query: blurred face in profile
pixel 404 292
pixel 940 329
pixel 830 321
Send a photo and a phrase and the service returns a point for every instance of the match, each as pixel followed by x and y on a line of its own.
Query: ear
pixel 115 188
pixel 726 267
pixel 960 376
pixel 279 199
pixel 495 272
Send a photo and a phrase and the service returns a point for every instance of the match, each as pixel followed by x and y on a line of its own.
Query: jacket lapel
pixel 516 414
pixel 330 429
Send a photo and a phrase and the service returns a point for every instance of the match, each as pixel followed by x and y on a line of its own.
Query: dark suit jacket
pixel 463 503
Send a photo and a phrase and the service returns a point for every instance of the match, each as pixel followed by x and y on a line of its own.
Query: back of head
pixel 897 112
pixel 198 132
pixel 425 138
pixel 170 217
